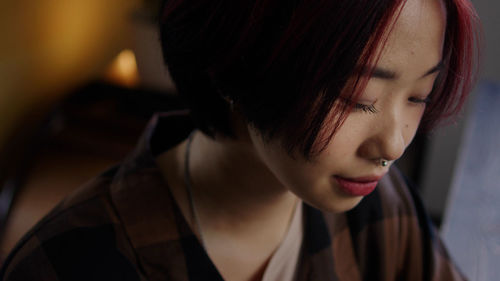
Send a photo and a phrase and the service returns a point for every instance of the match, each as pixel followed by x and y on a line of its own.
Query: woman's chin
pixel 337 205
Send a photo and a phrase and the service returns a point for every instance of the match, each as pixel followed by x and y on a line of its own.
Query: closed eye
pixel 368 108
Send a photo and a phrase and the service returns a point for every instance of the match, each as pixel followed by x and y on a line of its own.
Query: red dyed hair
pixel 461 60
pixel 284 62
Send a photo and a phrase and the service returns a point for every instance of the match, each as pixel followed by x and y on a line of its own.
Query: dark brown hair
pixel 284 62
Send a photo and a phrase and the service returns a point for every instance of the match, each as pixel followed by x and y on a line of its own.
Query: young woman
pixel 281 169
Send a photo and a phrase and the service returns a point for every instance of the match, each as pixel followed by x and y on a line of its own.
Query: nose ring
pixel 384 162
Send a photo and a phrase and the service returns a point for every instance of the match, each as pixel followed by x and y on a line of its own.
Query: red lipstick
pixel 358 186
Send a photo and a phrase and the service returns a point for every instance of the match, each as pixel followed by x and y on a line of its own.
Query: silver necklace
pixel 189 187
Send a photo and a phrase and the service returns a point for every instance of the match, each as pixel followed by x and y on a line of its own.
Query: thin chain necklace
pixel 189 188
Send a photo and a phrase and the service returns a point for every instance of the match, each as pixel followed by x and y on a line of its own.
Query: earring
pixel 230 101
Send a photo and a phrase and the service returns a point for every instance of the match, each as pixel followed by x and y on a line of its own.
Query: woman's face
pixel 382 124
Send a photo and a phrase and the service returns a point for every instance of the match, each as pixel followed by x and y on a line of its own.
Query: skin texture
pixel 245 189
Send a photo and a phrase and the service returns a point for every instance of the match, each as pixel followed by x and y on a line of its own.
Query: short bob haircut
pixel 284 63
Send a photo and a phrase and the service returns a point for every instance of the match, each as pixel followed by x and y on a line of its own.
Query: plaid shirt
pixel 125 225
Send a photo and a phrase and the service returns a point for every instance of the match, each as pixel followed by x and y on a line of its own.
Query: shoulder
pixel 80 239
pixel 122 225
pixel 393 236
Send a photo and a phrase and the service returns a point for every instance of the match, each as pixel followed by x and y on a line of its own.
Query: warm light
pixel 48 48
pixel 123 70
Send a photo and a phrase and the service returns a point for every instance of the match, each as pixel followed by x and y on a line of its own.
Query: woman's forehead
pixel 414 44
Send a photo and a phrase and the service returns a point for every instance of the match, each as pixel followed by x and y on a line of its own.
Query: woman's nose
pixel 387 140
pixel 392 143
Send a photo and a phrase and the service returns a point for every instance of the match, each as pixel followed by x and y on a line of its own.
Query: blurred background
pixel 79 79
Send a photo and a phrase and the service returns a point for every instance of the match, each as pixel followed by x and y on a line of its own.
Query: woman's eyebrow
pixel 386 74
pixel 435 69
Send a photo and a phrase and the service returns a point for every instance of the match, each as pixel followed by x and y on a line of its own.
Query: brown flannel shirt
pixel 125 225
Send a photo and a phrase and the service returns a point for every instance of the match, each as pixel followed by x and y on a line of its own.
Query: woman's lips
pixel 357 187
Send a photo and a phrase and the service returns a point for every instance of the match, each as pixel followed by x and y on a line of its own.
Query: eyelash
pixel 370 108
pixel 367 108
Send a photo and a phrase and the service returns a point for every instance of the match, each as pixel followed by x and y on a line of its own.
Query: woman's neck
pixel 233 188
pixel 243 211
